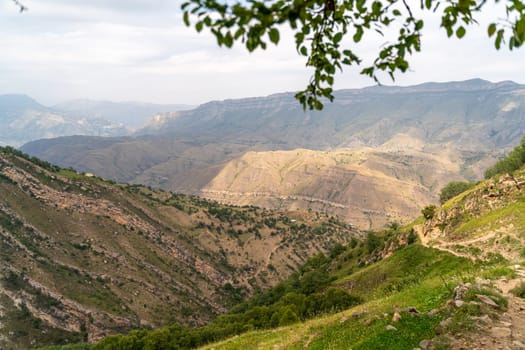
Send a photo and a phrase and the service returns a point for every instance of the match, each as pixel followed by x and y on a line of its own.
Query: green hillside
pixel 395 292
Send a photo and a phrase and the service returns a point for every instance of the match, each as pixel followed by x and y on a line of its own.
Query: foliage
pixel 519 290
pixel 428 212
pixel 412 236
pixel 513 161
pixel 304 295
pixel 454 188
pixel 320 27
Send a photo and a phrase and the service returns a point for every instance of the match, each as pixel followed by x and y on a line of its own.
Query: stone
pixel 396 317
pixel 486 300
pixel 343 319
pixel 391 328
pixel 484 318
pixel 425 344
pixel 518 345
pixel 482 282
pixel 412 310
pixel 500 332
pixel 433 312
pixel 443 325
pixel 459 303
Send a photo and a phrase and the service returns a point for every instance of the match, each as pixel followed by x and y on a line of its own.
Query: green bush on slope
pixel 513 161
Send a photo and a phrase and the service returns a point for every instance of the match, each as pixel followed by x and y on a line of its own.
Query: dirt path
pixel 505 333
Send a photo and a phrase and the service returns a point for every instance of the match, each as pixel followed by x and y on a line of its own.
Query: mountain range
pixel 373 156
pixel 23 119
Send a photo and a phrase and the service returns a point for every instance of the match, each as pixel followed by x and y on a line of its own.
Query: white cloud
pixel 140 50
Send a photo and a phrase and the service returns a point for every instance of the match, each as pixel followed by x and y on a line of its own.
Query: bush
pixel 452 189
pixel 519 290
pixel 429 211
pixel 513 161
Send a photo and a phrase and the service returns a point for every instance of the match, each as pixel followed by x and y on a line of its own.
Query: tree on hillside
pixel 452 189
pixel 513 161
pixel 319 27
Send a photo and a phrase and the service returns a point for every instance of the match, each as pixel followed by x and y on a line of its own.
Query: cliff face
pixel 81 258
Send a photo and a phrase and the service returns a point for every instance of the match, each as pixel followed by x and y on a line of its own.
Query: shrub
pixel 452 189
pixel 519 290
pixel 429 211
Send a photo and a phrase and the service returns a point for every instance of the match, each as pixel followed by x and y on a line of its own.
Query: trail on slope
pixel 508 331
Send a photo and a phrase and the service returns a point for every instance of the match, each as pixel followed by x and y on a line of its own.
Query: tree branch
pixel 21 6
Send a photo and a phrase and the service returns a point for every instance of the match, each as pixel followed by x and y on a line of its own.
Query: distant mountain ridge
pixel 466 125
pixel 22 119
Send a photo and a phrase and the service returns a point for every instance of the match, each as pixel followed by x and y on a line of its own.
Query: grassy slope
pixel 412 276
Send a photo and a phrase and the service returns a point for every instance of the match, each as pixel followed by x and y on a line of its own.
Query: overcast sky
pixel 139 50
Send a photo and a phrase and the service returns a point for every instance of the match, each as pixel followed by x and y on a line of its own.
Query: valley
pixel 81 257
pixel 407 141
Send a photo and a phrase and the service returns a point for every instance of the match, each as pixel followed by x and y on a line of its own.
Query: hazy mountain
pixel 463 125
pixel 22 119
pixel 132 115
pixel 81 257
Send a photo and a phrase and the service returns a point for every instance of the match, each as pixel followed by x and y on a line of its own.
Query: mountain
pixel 81 257
pixel 23 119
pixel 455 130
pixel 133 115
pixel 450 280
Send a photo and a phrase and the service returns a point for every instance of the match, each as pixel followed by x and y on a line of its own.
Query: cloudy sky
pixel 139 50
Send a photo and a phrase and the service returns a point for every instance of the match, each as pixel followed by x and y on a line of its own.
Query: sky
pixel 139 50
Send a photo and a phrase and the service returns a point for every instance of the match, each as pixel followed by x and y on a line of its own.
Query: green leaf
pixel 358 34
pixel 338 37
pixel 460 32
pixel 492 29
pixel 198 26
pixel 273 34
pixel 186 18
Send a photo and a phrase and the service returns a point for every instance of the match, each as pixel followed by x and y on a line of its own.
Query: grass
pixel 519 290
pixel 512 213
pixel 427 290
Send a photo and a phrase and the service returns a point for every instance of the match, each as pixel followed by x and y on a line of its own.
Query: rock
pixel 396 317
pixel 343 319
pixel 433 312
pixel 425 344
pixel 484 318
pixel 485 299
pixel 443 325
pixel 391 328
pixel 459 303
pixel 412 310
pixel 505 324
pixel 358 314
pixel 518 345
pixel 459 291
pixel 482 282
pixel 500 332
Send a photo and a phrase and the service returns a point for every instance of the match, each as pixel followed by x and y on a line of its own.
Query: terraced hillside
pixel 81 257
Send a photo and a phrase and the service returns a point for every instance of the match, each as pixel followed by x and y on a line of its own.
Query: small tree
pixel 429 211
pixel 452 189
